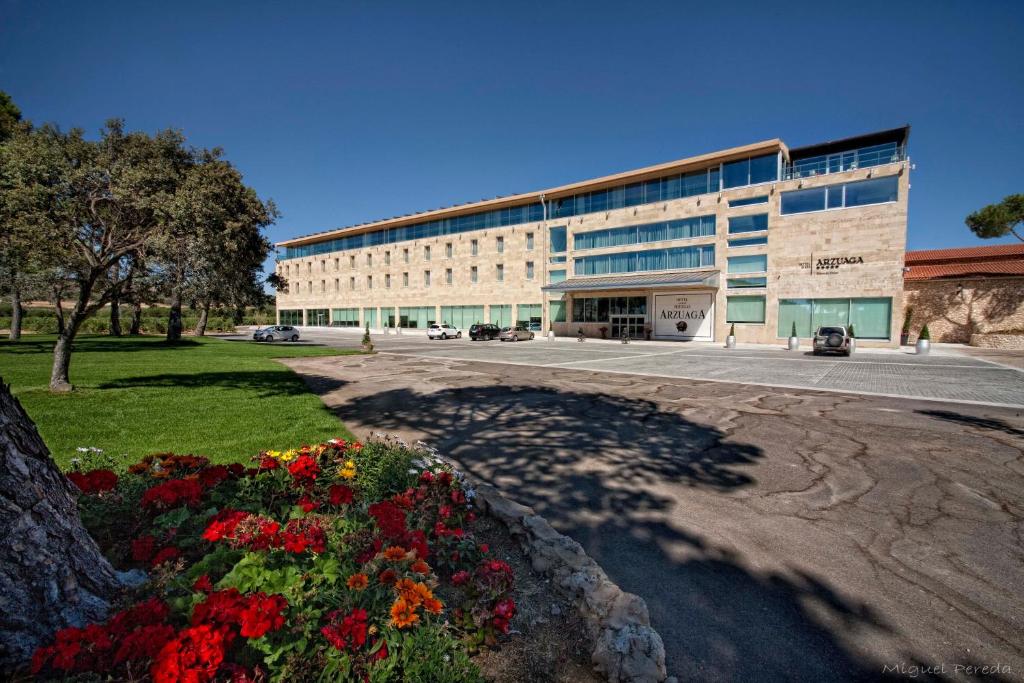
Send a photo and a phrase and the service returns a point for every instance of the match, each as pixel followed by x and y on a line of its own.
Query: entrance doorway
pixel 633 325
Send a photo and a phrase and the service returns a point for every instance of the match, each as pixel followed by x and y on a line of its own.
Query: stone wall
pixel 1013 342
pixel 953 315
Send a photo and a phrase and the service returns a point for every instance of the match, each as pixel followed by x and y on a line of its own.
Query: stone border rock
pixel 626 647
pixel 994 340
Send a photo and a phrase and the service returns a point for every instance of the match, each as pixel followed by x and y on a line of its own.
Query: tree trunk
pixel 204 316
pixel 174 319
pixel 239 314
pixel 16 311
pixel 52 574
pixel 115 315
pixel 60 379
pixel 136 326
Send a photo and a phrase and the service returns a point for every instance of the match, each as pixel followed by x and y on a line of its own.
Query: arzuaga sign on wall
pixel 684 316
pixel 831 264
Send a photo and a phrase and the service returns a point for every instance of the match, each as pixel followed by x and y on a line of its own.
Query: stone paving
pixel 942 377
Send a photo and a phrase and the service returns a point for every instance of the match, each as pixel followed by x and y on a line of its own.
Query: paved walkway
pixel 944 376
pixel 776 534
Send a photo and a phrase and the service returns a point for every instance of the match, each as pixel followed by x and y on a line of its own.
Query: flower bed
pixel 336 561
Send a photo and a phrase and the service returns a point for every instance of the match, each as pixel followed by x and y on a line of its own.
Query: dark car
pixel 484 331
pixel 832 339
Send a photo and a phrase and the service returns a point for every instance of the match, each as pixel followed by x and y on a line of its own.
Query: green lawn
pixel 136 395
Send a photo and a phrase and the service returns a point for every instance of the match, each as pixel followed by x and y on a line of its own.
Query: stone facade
pixel 957 309
pixel 868 242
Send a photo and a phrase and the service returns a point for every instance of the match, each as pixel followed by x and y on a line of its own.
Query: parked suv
pixel 832 339
pixel 515 334
pixel 269 334
pixel 484 331
pixel 444 331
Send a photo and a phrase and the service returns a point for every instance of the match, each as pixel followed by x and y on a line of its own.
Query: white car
pixel 443 332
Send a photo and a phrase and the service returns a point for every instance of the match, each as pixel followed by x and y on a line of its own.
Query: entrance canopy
pixel 693 278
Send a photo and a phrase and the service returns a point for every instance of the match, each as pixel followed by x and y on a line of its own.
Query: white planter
pixel 730 341
pixel 551 335
pixel 923 346
pixel 853 345
pixel 794 343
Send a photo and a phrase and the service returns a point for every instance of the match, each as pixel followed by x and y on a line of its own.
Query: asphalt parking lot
pixel 939 377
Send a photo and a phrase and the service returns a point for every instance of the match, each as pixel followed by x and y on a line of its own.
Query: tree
pixel 998 220
pixel 52 574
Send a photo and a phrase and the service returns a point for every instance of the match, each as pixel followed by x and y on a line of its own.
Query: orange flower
pixel 420 567
pixel 358 582
pixel 403 614
pixel 432 605
pixel 394 553
pixel 406 589
pixel 387 577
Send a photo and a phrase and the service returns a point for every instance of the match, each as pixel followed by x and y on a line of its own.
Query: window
pixel 845 195
pixel 405 279
pixel 369 282
pixel 405 255
pixel 686 228
pixel 309 268
pixel 352 283
pixel 323 286
pixel 474 247
pixel 337 264
pixel 344 317
pixel 370 317
pixel 387 281
pixel 675 258
pixel 426 278
pixel 748 201
pixel 387 258
pixel 499 272
pixel 600 310
pixel 337 285
pixel 499 244
pixel 558 240
pixel 744 309
pixel 287 268
pixel 369 259
pixel 529 313
pixel 448 250
pixel 529 270
pixel 556 276
pixel 426 253
pixel 318 316
pixel 750 171
pixel 501 314
pixel 748 241
pixel 323 266
pixel 529 241
pixel 352 261
pixel 754 263
pixel 447 276
pixel 298 288
pixel 870 317
pixel 292 317
pixel 473 274
pixel 462 316
pixel 747 282
pixel 416 317
pixel 556 311
pixel 753 223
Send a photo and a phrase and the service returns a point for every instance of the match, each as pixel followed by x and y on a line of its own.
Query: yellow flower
pixel 350 464
pixel 348 473
pixel 289 455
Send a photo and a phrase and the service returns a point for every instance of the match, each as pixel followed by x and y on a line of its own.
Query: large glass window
pixel 675 258
pixel 528 313
pixel 601 309
pixel 345 317
pixel 744 309
pixel 416 317
pixel 462 316
pixel 501 315
pixel 291 317
pixel 844 195
pixel 556 276
pixel 556 311
pixel 753 263
pixel 686 228
pixel 748 201
pixel 320 317
pixel 870 316
pixel 558 239
pixel 370 317
pixel 753 223
pixel 750 171
pixel 747 282
pixel 748 241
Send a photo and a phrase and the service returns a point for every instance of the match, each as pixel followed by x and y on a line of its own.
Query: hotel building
pixel 762 237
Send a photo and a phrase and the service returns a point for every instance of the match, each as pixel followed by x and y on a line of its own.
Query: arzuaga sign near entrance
pixel 684 316
pixel 831 264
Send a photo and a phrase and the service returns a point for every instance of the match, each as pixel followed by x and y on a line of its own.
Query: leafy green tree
pixel 10 116
pixel 999 220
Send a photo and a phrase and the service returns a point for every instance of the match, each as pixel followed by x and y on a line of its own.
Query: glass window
pixel 352 283
pixel 742 282
pixel 748 201
pixel 529 241
pixel 736 173
pixel 387 281
pixel 529 270
pixel 426 253
pixel 499 272
pixel 556 276
pixel 674 258
pixel 474 247
pixel 801 201
pixel 369 282
pixel 871 317
pixel 370 317
pixel 556 311
pixel 752 223
pixel 558 239
pixel 387 259
pixel 448 250
pixel 764 169
pixel 528 313
pixel 874 191
pixel 405 255
pixel 447 276
pixel 501 314
pixel 748 241
pixel 473 274
pixel 753 263
pixel 291 317
pixel 829 312
pixel 834 198
pixel 499 244
pixel 744 309
pixel 426 278
pixel 405 279
pixel 796 311
pixel 345 317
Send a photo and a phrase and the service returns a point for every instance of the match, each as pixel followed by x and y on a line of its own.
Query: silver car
pixel 832 339
pixel 275 333
pixel 514 334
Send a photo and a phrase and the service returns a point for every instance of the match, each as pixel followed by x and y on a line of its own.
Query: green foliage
pixel 907 317
pixel 427 655
pixel 732 330
pixel 140 396
pixel 10 116
pixel 792 332
pixel 850 330
pixel 998 220
pixel 925 334
pixel 367 344
pixel 384 470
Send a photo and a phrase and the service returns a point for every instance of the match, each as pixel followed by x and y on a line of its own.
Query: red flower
pixel 503 613
pixel 94 481
pixel 203 584
pixel 262 614
pixel 485 548
pixel 305 469
pixel 211 476
pixel 388 577
pixel 350 633
pixel 168 554
pixel 143 644
pixel 194 656
pixel 172 494
pixel 460 577
pixel 268 463
pixel 389 517
pixel 307 504
pixel 143 548
pixel 340 494
pixel 223 524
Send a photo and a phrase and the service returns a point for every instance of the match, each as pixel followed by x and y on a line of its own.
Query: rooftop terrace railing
pixel 864 157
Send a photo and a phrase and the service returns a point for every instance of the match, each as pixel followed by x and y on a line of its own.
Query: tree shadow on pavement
pixel 594 465
pixel 990 423
pixel 263 383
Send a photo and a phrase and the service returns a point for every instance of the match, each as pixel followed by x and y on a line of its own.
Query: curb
pixel 626 647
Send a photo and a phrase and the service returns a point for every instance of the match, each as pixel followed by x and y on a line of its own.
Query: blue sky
pixel 348 112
